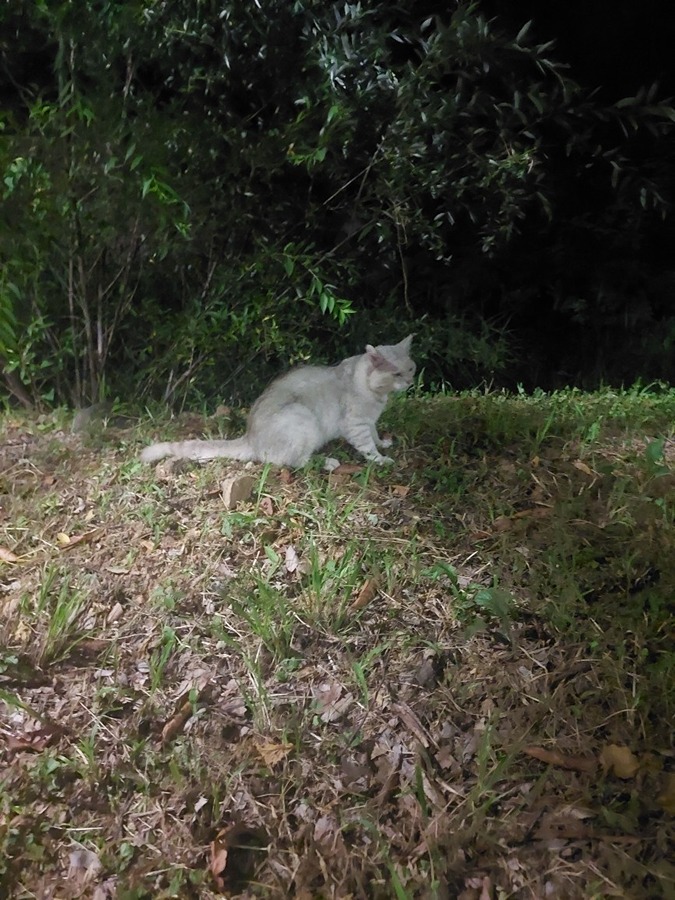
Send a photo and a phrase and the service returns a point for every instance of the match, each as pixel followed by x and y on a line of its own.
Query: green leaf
pixel 523 31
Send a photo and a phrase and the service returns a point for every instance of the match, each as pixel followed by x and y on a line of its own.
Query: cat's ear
pixel 377 360
pixel 406 342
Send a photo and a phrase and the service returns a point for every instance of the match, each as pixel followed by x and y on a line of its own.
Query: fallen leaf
pixel 266 506
pixel 84 866
pixel 291 560
pixel 347 469
pixel 400 490
pixel 185 712
pixel 412 723
pixel 115 613
pixel 107 890
pixel 34 741
pixel 562 760
pixel 537 512
pixel 325 831
pixel 582 467
pixel 330 702
pixel 70 542
pixel 271 752
pixel 286 476
pixel 367 593
pixel 666 798
pixel 619 761
pixel 8 556
pixel 218 862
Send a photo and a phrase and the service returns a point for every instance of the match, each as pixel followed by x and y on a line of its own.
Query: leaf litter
pixel 361 683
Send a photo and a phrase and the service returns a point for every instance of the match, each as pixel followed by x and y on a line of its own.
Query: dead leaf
pixel 325 831
pixel 536 512
pixel 70 542
pixel 84 866
pixel 619 761
pixel 286 476
pixel 413 724
pixel 231 850
pixel 291 559
pixel 666 798
pixel 562 760
pixel 347 469
pixel 107 890
pixel 266 506
pixel 367 593
pixel 582 467
pixel 218 863
pixel 7 556
pixel 115 613
pixel 35 741
pixel 400 490
pixel 271 752
pixel 330 702
pixel 236 488
pixel 185 712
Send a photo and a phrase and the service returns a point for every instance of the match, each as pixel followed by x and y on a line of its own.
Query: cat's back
pixel 311 386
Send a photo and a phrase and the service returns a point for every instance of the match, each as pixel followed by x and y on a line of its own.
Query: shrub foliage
pixel 191 190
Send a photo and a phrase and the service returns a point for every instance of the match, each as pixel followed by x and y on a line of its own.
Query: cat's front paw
pixel 383 460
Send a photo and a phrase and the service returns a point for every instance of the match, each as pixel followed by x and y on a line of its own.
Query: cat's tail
pixel 237 449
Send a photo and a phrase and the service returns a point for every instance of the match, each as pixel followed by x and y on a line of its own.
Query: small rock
pixel 236 488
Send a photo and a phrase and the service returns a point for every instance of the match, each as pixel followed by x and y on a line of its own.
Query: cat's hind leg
pixel 287 438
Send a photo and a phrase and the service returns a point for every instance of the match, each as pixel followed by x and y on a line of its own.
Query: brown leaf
pixel 266 506
pixel 70 542
pixel 347 469
pixel 84 866
pixel 582 467
pixel 185 712
pixel 330 702
pixel 412 723
pixel 666 798
pixel 34 741
pixel 400 490
pixel 502 523
pixel 286 476
pixel 619 761
pixel 271 752
pixel 218 862
pixel 367 593
pixel 176 724
pixel 7 556
pixel 562 760
pixel 536 512
pixel 291 559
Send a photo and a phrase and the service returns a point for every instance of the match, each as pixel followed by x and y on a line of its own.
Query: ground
pixel 448 678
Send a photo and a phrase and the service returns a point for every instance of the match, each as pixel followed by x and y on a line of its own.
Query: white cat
pixel 307 407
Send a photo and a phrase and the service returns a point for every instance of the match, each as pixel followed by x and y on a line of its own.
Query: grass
pixel 328 691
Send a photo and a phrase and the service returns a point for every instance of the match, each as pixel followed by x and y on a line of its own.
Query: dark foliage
pixel 195 190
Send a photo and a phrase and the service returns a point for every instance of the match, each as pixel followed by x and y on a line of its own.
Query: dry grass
pixel 327 691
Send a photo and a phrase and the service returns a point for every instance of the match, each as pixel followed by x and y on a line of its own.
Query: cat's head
pixel 390 367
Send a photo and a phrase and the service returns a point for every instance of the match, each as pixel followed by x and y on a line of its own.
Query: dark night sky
pixel 617 45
